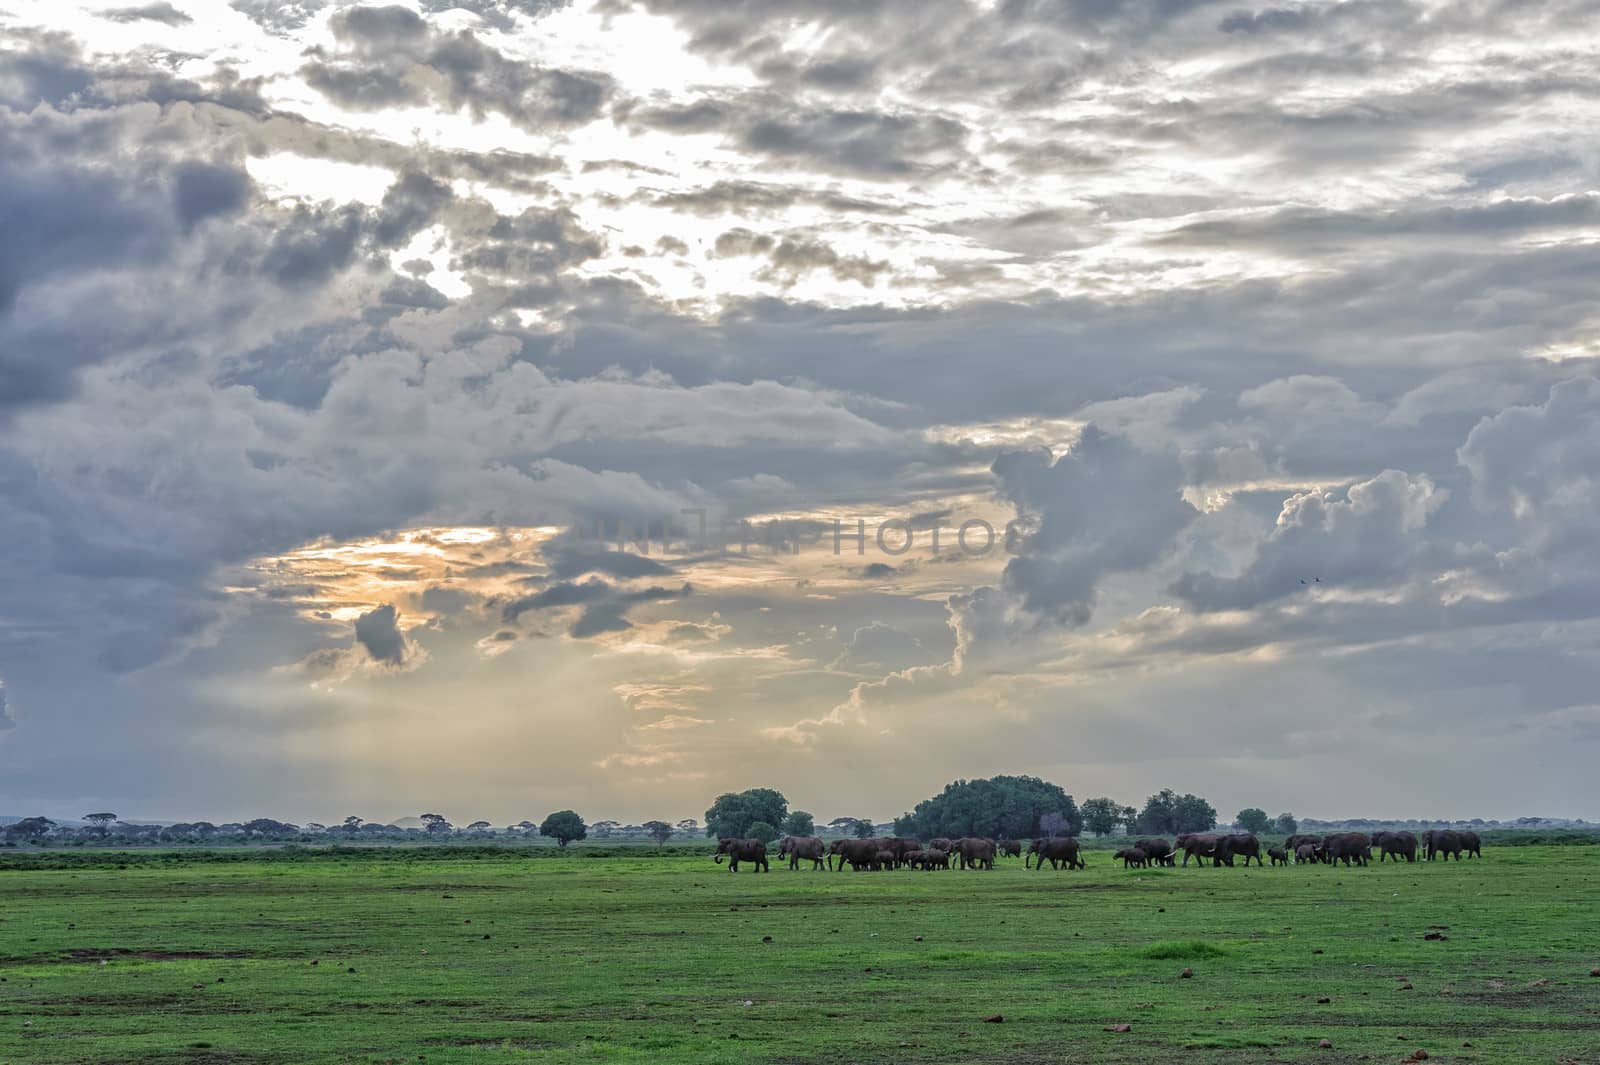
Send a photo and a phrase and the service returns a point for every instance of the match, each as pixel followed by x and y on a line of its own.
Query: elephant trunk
pixel 717 858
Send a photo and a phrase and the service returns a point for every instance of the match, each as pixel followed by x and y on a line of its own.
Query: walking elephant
pixel 1347 846
pixel 1009 847
pixel 977 852
pixel 742 850
pixel 1396 845
pixel 1058 850
pixel 1442 843
pixel 1237 844
pixel 797 847
pixel 1132 858
pixel 1157 848
pixel 1197 845
pixel 1471 845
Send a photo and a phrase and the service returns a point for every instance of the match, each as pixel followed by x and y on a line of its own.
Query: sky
pixel 495 406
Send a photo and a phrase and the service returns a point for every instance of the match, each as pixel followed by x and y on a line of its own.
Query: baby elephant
pixel 1306 853
pixel 1277 855
pixel 1132 858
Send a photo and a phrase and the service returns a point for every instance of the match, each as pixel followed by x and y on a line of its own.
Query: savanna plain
pixel 489 956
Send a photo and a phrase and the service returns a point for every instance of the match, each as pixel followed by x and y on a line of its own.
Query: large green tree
pixel 563 826
pixel 1003 807
pixel 1286 824
pixel 800 823
pixel 763 831
pixel 1101 816
pixel 733 813
pixel 1254 820
pixel 1167 813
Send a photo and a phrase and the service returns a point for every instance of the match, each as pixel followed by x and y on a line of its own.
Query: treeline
pixel 1000 807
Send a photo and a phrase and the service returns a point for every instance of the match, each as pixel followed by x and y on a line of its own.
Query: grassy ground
pixel 667 959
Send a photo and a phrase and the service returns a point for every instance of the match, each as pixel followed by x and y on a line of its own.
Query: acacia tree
pixel 659 831
pixel 563 826
pixel 435 824
pixel 101 821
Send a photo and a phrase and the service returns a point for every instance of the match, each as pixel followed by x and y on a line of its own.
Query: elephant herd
pixel 1064 852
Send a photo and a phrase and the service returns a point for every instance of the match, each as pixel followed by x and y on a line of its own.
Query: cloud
pixel 392 57
pixel 379 632
pixel 158 12
pixel 1366 537
pixel 1102 508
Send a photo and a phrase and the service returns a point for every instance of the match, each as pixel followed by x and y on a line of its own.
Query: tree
pixel 843 825
pixel 863 828
pixel 733 813
pixel 1101 816
pixel 659 831
pixel 1129 818
pixel 800 823
pixel 352 823
pixel 478 826
pixel 1286 824
pixel 435 824
pixel 689 826
pixel 1194 814
pixel 1001 807
pixel 1167 813
pixel 31 829
pixel 763 831
pixel 1253 820
pixel 101 821
pixel 603 829
pixel 563 826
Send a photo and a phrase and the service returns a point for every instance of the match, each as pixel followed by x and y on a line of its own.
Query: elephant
pixel 798 847
pixel 1306 853
pixel 1132 858
pixel 1198 845
pixel 1443 842
pixel 742 850
pixel 1236 844
pixel 916 859
pixel 1009 847
pixel 1278 855
pixel 1348 845
pixel 977 852
pixel 886 859
pixel 1395 844
pixel 1471 845
pixel 1059 850
pixel 935 859
pixel 1292 845
pixel 859 854
pixel 1158 849
pixel 939 843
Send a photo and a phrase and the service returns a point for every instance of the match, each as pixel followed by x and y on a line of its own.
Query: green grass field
pixel 508 959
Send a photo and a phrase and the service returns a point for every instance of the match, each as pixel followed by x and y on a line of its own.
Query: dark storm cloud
pixel 378 631
pixel 392 57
